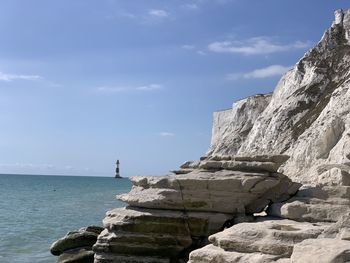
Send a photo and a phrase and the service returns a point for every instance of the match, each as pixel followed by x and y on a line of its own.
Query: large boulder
pixel 315 204
pixel 273 237
pixel 222 191
pixel 266 240
pixel 76 246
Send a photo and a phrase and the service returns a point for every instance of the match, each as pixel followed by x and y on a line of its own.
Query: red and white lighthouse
pixel 117 173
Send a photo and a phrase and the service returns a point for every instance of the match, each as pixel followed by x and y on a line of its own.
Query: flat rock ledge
pixel 273 240
pixel 76 246
pixel 169 216
pixel 315 204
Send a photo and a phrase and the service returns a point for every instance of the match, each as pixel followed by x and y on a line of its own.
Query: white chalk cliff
pixel 307 117
pixel 286 154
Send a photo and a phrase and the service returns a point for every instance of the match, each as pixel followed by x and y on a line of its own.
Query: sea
pixel 36 210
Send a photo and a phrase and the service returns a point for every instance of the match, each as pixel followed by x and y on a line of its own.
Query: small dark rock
pixel 82 238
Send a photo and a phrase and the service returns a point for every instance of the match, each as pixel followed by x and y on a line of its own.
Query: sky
pixel 86 82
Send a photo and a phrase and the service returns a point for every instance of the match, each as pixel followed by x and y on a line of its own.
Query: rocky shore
pixel 273 187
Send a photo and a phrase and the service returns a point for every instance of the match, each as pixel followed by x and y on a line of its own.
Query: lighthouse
pixel 117 174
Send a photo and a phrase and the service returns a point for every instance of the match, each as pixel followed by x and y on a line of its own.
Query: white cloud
pixel 117 89
pixel 12 77
pixel 158 13
pixel 200 52
pixel 167 134
pixel 150 87
pixel 270 71
pixel 255 46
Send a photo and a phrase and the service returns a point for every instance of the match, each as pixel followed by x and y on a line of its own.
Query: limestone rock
pixel 339 230
pixel 213 254
pixel 315 204
pixel 333 175
pixel 170 215
pixel 322 250
pixel 190 165
pixel 234 165
pixel 129 226
pixel 109 257
pixel 134 233
pixel 265 240
pixel 223 191
pixel 232 126
pixel 79 255
pixel 82 238
pixel 273 237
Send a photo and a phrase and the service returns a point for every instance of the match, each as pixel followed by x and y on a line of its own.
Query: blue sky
pixel 84 82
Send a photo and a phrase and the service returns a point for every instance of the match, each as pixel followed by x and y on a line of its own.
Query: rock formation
pixel 286 154
pixel 171 215
pixel 76 246
pixel 265 240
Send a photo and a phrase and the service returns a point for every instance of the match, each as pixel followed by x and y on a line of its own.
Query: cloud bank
pixel 11 77
pixel 167 134
pixel 255 46
pixel 270 71
pixel 158 13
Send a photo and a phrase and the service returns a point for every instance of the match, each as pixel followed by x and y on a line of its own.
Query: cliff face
pixel 307 117
pixel 231 127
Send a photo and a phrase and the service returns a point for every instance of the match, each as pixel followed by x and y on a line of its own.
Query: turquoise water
pixel 37 210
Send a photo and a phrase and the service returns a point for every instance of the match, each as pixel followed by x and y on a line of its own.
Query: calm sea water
pixel 37 210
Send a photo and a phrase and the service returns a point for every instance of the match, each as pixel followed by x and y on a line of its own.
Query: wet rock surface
pixel 76 246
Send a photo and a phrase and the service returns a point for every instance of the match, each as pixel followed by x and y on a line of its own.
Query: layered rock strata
pixel 266 240
pixel 169 216
pixel 315 204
